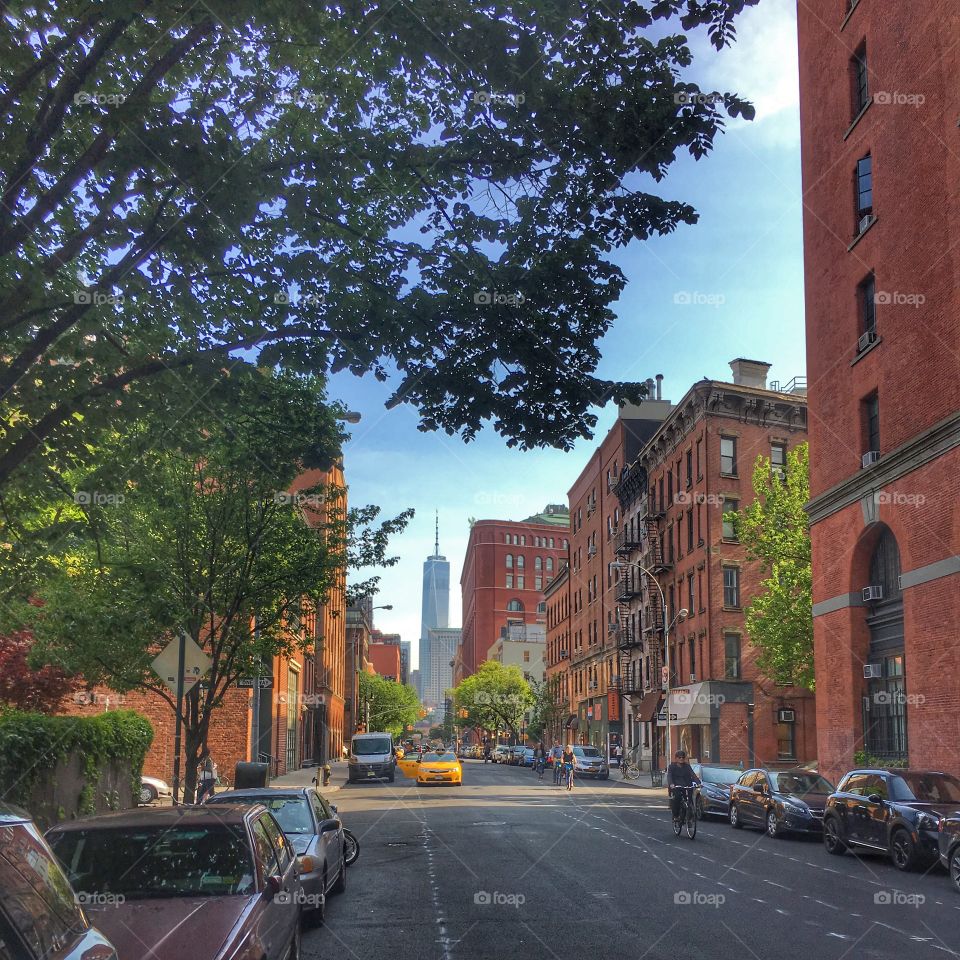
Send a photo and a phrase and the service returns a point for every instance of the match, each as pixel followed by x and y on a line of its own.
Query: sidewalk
pixel 304 777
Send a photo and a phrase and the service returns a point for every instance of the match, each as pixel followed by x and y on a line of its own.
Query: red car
pixel 218 882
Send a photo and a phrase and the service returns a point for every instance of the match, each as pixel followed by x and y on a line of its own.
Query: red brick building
pixel 879 108
pixel 696 466
pixel 557 597
pixel 385 658
pixel 506 568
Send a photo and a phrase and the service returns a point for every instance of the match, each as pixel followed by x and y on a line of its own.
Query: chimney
pixel 659 385
pixel 750 373
pixel 649 385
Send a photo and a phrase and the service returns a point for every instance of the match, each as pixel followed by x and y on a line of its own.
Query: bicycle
pixel 351 847
pixel 568 775
pixel 539 766
pixel 687 815
pixel 629 769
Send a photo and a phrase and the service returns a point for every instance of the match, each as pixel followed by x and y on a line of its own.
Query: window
pixel 871 417
pixel 731 586
pixel 523 540
pixel 867 302
pixel 669 487
pixel 671 603
pixel 509 581
pixel 700 523
pixel 670 544
pixel 661 495
pixel 538 582
pixel 549 564
pixel 692 659
pixel 690 530
pixel 542 606
pixel 509 561
pixel 520 561
pixel 731 656
pixel 551 543
pixel 526 656
pixel 729 523
pixel 699 468
pixel 690 604
pixel 515 606
pixel 786 741
pixel 520 585
pixel 859 77
pixel 728 456
pixel 680 535
pixel 700 589
pixel 778 459
pixel 689 468
pixel 863 193
pixel 538 563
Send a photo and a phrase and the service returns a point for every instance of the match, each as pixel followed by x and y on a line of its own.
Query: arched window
pixel 542 606
pixel 549 564
pixel 515 606
pixel 509 561
pixel 538 563
pixel 519 561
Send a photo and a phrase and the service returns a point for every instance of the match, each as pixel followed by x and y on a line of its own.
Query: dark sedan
pixel 316 833
pixel 41 917
pixel 779 801
pixel 950 847
pixel 217 882
pixel 714 796
pixel 896 812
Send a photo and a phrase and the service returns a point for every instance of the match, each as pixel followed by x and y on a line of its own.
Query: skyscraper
pixel 435 610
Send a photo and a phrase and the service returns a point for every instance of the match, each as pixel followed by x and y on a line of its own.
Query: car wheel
pixel 903 851
pixel 955 868
pixel 735 821
pixel 340 885
pixel 701 813
pixel 831 838
pixel 147 794
pixel 774 828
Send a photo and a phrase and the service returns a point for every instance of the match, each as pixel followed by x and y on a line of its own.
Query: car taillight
pixel 307 864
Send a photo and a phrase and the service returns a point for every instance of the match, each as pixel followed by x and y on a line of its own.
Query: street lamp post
pixel 621 565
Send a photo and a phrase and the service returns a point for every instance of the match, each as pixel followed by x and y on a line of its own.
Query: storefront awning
pixel 648 708
pixel 690 704
pixel 572 722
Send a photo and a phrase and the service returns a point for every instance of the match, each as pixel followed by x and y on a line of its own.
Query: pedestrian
pixel 208 779
pixel 618 754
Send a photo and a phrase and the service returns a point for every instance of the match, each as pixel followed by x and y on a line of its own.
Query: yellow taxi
pixel 433 768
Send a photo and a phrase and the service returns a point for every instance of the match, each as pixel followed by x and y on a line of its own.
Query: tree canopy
pixel 387 705
pixel 428 192
pixel 494 698
pixel 774 530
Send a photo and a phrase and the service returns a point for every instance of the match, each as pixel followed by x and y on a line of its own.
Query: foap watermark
pixel 683 697
pixel 304 699
pixel 95 498
pixel 302 98
pixel 492 498
pixel 499 699
pixel 99 99
pixel 694 898
pixel 309 900
pixel 298 499
pixel 485 98
pixel 894 98
pixel 685 98
pixel 899 498
pixel 696 298
pixel 484 898
pixel 498 297
pixel 897 898
pixel 897 298
pixel 306 299
pixel 890 698
pixel 710 499
pixel 96 298
pixel 94 898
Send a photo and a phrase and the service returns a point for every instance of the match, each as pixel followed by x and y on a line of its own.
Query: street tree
pixel 42 688
pixel 431 193
pixel 195 529
pixel 774 530
pixel 494 698
pixel 547 712
pixel 387 705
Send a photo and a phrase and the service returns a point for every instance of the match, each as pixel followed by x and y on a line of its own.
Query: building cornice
pixel 921 449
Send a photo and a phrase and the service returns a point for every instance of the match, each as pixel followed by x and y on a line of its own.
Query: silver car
pixel 590 762
pixel 316 833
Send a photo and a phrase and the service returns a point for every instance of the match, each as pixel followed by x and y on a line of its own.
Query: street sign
pixel 248 683
pixel 195 664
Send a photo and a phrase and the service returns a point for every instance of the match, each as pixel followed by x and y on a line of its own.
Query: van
pixel 372 757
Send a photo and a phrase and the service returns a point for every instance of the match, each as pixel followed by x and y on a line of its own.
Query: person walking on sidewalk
pixel 208 779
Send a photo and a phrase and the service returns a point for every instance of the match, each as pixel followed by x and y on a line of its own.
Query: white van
pixel 372 757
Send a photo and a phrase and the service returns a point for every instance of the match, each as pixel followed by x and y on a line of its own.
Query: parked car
pixel 315 831
pixel 716 780
pixel 208 881
pixel 779 801
pixel 515 756
pixel 500 754
pixel 590 762
pixel 950 847
pixel 897 812
pixel 41 917
pixel 152 788
pixel 526 758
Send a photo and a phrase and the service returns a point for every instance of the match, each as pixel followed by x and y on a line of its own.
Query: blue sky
pixel 740 266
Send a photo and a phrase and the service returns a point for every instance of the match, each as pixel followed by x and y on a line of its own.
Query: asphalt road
pixel 508 867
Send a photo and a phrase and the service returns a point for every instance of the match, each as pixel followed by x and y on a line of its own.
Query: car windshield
pixel 586 752
pixel 439 758
pixel 720 774
pixel 925 788
pixel 800 782
pixel 163 861
pixel 292 812
pixel 372 745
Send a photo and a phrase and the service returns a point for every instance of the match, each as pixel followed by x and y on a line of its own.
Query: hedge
pixel 32 744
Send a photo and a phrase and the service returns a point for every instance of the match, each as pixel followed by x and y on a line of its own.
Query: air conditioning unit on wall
pixel 872 594
pixel 869 458
pixel 865 340
pixel 872 671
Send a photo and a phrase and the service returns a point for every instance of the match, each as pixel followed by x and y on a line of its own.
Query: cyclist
pixel 680 777
pixel 539 759
pixel 557 754
pixel 567 760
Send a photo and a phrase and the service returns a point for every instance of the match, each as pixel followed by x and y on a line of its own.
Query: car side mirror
pixel 273 886
pixel 758 788
pixel 875 798
pixel 333 807
pixel 329 825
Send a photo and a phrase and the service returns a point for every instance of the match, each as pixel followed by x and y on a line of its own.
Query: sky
pixel 730 286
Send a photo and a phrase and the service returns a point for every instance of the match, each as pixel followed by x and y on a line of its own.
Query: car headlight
pixel 794 806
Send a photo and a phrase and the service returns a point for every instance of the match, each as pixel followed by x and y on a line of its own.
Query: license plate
pixel 439 777
pixel 370 773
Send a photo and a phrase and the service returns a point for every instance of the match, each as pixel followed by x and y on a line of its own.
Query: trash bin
pixel 249 775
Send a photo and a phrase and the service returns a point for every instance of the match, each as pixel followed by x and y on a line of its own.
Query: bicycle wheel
pixel 351 847
pixel 678 820
pixel 691 824
pixel 632 772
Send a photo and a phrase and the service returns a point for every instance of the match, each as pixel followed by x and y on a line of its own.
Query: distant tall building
pixel 405 661
pixel 435 609
pixel 443 643
pixel 415 680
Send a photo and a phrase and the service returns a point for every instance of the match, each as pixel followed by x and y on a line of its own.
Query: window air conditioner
pixel 872 671
pixel 865 340
pixel 870 457
pixel 871 594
